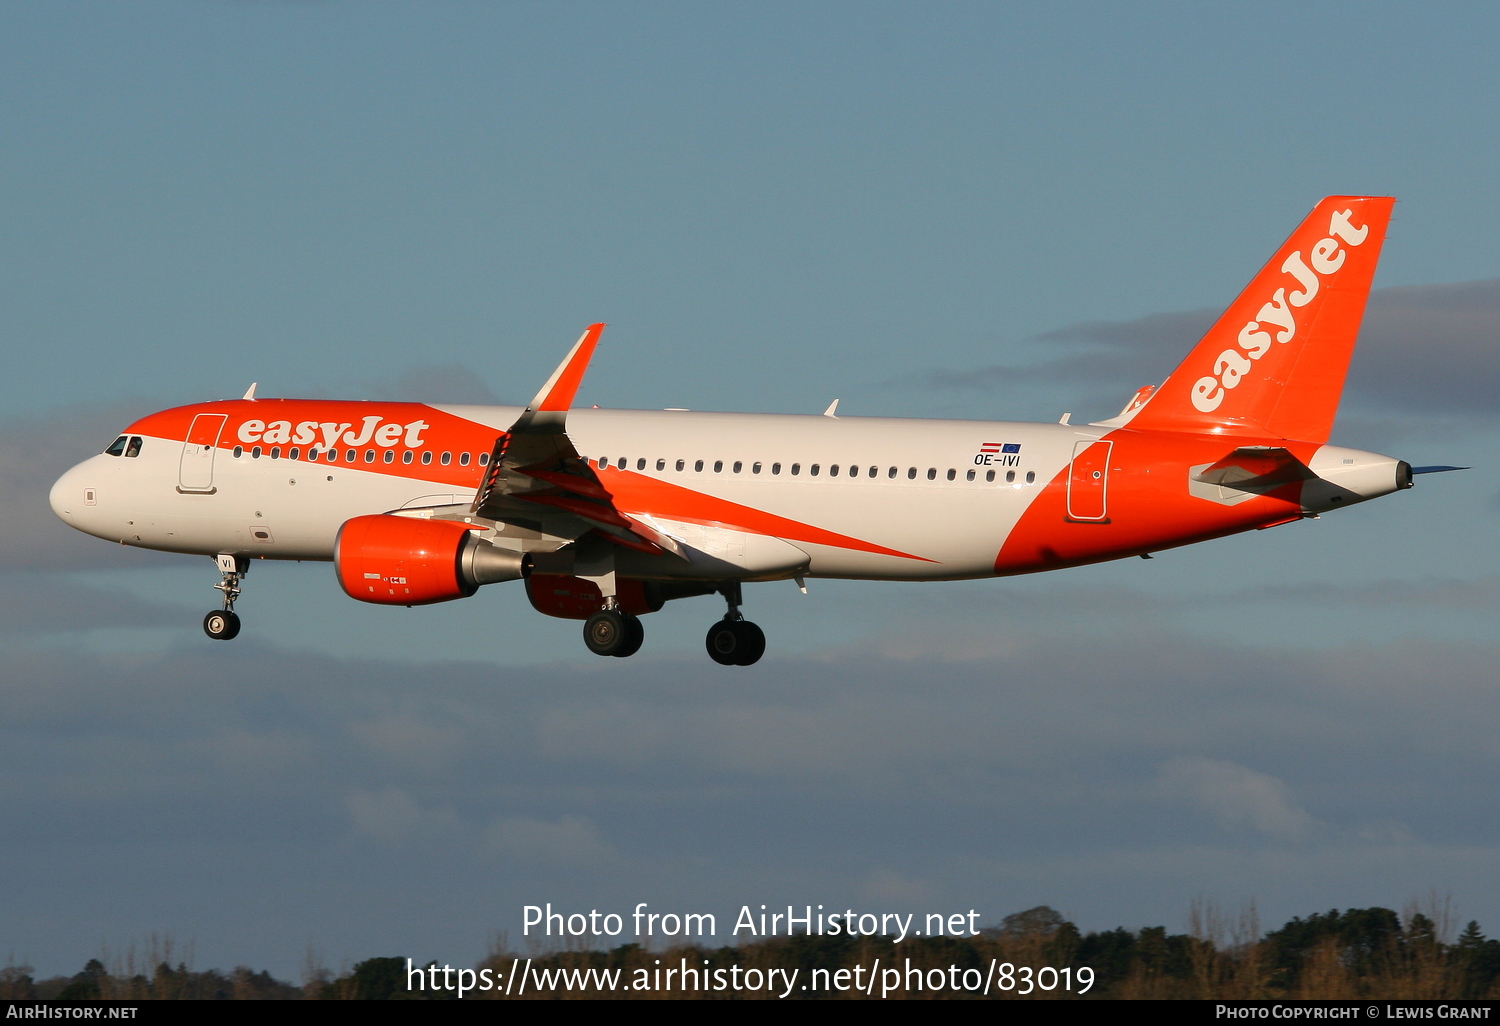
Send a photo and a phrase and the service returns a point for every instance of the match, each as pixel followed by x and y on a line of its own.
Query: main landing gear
pixel 223 624
pixel 734 641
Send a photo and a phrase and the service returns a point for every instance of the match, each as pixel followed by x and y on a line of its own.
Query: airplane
pixel 606 515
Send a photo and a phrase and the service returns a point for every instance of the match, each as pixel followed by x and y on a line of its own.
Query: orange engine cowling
pixel 405 561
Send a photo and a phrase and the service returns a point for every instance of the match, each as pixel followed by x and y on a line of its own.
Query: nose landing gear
pixel 223 624
pixel 734 641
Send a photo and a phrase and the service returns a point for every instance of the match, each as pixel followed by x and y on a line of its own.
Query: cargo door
pixel 1088 481
pixel 196 471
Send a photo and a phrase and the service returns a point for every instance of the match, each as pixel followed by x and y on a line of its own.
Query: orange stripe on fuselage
pixel 444 433
pixel 633 493
pixel 640 494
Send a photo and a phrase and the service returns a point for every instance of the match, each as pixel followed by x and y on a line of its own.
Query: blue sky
pixel 923 210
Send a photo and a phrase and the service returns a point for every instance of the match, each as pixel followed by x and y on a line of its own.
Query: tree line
pixel 1350 954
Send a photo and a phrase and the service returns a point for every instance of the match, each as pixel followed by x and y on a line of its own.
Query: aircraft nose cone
pixel 66 496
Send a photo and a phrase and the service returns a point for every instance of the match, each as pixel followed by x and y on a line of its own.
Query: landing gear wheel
pixel 722 641
pixel 221 624
pixel 635 636
pixel 605 633
pixel 735 643
pixel 752 644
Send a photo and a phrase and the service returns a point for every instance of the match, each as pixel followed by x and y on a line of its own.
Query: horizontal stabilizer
pixel 1245 473
pixel 1256 468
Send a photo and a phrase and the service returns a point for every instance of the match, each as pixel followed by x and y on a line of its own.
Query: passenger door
pixel 196 471
pixel 1088 481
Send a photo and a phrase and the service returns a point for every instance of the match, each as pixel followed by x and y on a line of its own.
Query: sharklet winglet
pixel 556 396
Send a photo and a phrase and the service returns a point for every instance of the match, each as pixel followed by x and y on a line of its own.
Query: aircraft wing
pixel 536 479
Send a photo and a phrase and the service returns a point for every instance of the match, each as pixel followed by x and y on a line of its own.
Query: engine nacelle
pixel 406 561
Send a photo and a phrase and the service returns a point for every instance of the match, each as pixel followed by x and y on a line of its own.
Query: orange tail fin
pixel 1274 363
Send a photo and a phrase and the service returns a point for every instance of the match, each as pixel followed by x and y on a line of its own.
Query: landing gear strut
pixel 734 641
pixel 223 624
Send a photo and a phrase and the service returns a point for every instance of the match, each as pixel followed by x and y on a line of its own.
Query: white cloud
pixel 890 886
pixel 1104 776
pixel 567 840
pixel 1427 349
pixel 391 815
pixel 1235 796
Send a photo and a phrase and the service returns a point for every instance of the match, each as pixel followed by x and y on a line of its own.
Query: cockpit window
pixel 117 447
pixel 134 448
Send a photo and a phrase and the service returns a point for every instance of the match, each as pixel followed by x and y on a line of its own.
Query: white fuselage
pixel 292 509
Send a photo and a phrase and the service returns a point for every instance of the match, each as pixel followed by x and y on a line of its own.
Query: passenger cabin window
pixel 640 464
pixel 662 465
pixel 117 447
pixel 390 455
pixel 989 475
pixel 969 476
pixel 776 468
pixel 296 452
pixel 275 452
pixel 796 469
pixel 1030 477
pixel 446 458
pixel 426 458
pixel 698 466
pixel 463 459
pixel 813 470
pixel 876 470
pixel 484 459
pixel 134 448
pixel 755 468
pixel 932 473
pixel 738 466
pixel 1010 477
pixel 833 471
pixel 255 452
pixel 602 462
pixel 911 473
pixel 350 456
pixel 951 473
pixel 718 466
pixel 680 464
pixel 239 450
pixel 406 457
pixel 890 474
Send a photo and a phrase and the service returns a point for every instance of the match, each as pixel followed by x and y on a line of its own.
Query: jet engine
pixel 406 561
